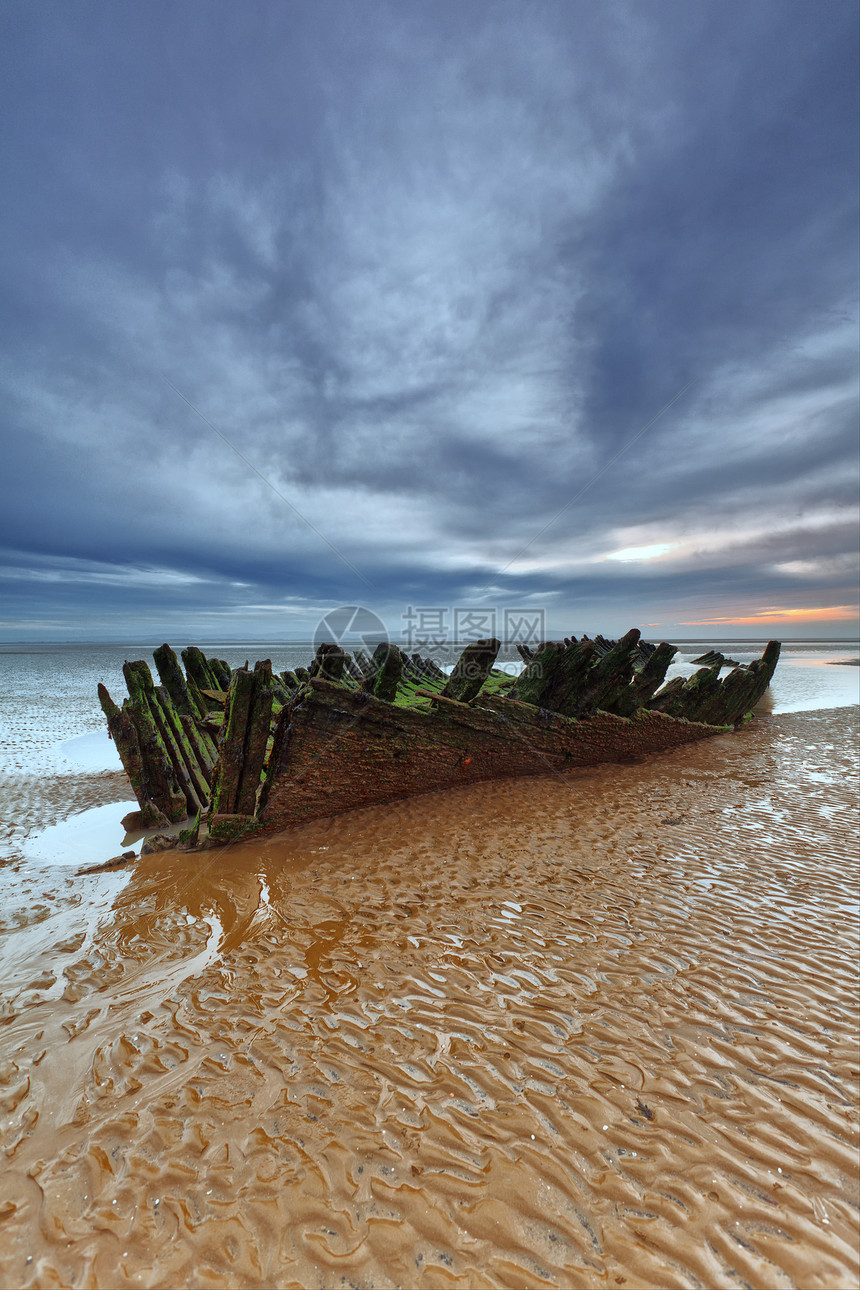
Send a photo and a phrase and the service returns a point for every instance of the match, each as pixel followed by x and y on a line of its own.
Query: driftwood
pixel 249 750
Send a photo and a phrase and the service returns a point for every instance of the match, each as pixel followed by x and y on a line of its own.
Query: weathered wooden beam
pixel 159 779
pixel 202 742
pixel 188 702
pixel 713 656
pixel 704 697
pixel 328 662
pixel 555 676
pixel 581 677
pixel 664 699
pixel 745 686
pixel 610 683
pixel 222 672
pixel 174 682
pixel 259 724
pixel 703 692
pixel 198 670
pixel 231 754
pixel 342 749
pixel 440 698
pixel 243 744
pixel 471 670
pixel 652 674
pixel 182 754
pixel 123 731
pixel 384 673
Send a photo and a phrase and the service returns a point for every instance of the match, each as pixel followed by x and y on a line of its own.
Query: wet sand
pixel 597 1030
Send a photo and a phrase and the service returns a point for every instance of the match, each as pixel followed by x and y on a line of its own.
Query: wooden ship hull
pixel 243 751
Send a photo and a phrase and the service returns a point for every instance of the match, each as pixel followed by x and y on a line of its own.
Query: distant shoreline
pixel 13 646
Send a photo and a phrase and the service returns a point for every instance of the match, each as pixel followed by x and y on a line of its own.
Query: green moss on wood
pixel 386 669
pixel 174 682
pixel 471 670
pixel 228 771
pixel 229 828
pixel 555 677
pixel 159 782
pixel 256 739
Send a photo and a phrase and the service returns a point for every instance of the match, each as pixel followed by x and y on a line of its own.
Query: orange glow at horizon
pixel 835 613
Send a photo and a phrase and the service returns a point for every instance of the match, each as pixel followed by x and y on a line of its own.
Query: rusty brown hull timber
pixel 336 750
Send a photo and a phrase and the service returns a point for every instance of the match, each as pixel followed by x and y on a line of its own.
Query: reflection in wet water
pixel 566 1032
pixel 95 832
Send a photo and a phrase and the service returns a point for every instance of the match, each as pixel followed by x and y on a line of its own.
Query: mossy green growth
pixel 188 837
pixel 497 682
pixel 407 693
pixel 556 677
pixel 228 772
pixel 256 739
pixel 159 781
pixel 183 754
pixel 411 692
pixel 198 670
pixel 229 828
pixel 244 742
pixel 184 700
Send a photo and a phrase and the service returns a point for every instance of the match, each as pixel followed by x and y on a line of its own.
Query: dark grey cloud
pixel 429 268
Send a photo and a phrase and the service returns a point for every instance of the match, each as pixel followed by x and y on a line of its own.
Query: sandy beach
pixel 592 1030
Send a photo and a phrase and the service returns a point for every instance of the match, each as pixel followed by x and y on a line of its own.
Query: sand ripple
pixel 592 1031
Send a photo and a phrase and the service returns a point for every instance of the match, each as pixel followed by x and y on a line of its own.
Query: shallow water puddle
pixel 96 751
pixel 88 838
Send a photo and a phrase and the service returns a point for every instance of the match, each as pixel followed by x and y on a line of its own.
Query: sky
pixel 429 308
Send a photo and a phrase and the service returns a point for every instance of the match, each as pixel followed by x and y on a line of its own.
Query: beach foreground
pixel 588 1030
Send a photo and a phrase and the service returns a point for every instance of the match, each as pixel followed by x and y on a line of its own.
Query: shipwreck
pixel 244 750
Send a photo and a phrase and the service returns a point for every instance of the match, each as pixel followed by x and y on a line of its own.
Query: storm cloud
pixel 344 303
